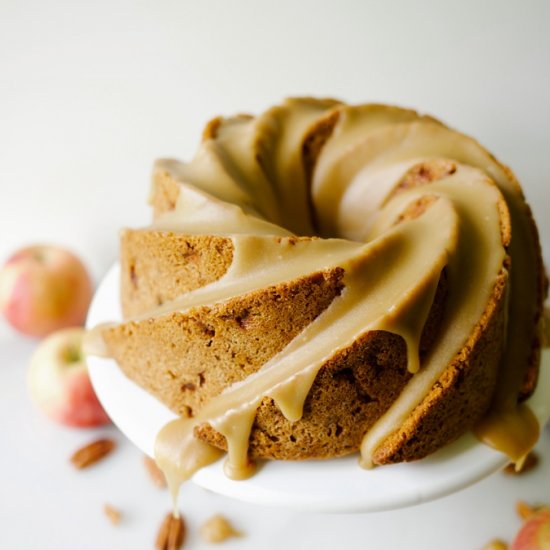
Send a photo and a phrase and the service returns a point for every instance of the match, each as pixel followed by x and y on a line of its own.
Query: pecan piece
pixel 171 533
pixel 92 453
pixel 217 529
pixel 155 473
pixel 112 513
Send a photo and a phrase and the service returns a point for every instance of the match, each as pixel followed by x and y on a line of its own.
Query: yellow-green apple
pixel 44 288
pixel 59 383
pixel 535 533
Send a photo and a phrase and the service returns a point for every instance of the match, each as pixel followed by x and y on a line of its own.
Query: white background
pixel 92 92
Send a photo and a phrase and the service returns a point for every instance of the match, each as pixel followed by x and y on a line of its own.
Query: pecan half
pixel 92 453
pixel 171 533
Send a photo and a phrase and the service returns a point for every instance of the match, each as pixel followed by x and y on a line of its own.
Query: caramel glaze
pixel 247 182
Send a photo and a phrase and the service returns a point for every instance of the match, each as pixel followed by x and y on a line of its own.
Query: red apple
pixel 59 383
pixel 535 533
pixel 44 288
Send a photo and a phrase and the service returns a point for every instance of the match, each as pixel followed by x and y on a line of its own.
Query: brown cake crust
pixel 355 387
pixel 159 266
pixel 463 387
pixel 351 391
pixel 186 358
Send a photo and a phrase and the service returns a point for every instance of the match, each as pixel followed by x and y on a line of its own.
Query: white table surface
pixel 92 92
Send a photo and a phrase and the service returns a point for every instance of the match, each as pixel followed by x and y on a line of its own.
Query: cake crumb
pixel 114 514
pixel 495 544
pixel 529 463
pixel 155 473
pixel 218 529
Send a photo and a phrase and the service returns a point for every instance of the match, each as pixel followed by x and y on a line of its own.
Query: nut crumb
pixel 171 533
pixel 155 473
pixel 112 513
pixel 495 544
pixel 529 463
pixel 92 453
pixel 217 529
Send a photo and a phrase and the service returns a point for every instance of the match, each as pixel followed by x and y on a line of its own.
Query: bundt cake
pixel 324 278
